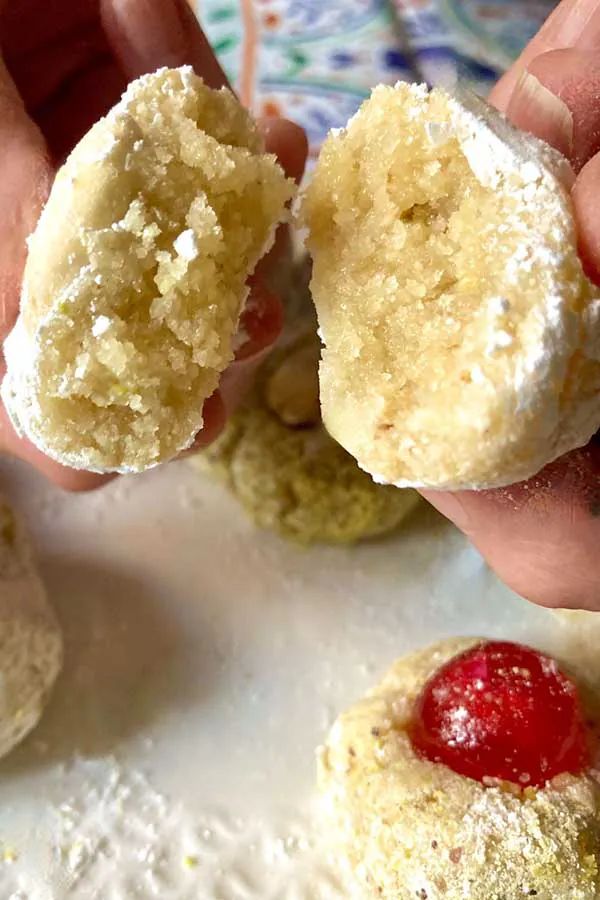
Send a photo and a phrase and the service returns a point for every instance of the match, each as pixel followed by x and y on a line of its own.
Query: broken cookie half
pixel 137 273
pixel 462 338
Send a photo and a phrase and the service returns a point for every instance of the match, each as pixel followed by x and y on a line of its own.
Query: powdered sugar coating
pixel 461 346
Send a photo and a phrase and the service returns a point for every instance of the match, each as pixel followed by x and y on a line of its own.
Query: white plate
pixel 205 662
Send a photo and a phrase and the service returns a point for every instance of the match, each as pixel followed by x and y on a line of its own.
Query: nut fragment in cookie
pixel 412 826
pixel 136 275
pixel 462 339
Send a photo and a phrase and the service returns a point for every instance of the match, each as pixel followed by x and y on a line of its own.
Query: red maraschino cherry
pixel 503 711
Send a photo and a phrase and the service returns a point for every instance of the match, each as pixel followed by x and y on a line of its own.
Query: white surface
pixel 205 661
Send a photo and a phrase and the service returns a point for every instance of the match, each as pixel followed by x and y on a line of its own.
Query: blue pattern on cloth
pixel 314 61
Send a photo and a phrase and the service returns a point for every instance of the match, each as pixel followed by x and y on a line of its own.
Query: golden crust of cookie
pixel 462 339
pixel 414 829
pixel 136 275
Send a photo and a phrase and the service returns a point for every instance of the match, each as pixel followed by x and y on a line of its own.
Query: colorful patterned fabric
pixel 316 60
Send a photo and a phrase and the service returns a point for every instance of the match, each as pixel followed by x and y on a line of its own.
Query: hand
pixel 542 536
pixel 62 66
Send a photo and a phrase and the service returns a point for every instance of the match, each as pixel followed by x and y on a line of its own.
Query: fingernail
pixel 288 142
pixel 535 109
pixel 151 34
pixel 451 506
pixel 214 414
pixel 261 322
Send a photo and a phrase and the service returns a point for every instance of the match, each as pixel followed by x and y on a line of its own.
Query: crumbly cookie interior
pixel 137 338
pixel 428 271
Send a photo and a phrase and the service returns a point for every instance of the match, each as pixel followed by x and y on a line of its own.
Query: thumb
pixel 25 179
pixel 537 110
pixel 556 98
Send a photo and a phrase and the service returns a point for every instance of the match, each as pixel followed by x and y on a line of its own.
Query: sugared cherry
pixel 502 711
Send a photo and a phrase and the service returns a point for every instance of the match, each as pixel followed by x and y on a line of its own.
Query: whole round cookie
pixel 462 338
pixel 31 646
pixel 405 790
pixel 137 273
pixel 289 474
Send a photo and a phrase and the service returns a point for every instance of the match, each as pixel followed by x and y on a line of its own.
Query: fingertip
pixel 148 34
pixel 214 415
pixel 239 378
pixel 261 320
pixel 25 178
pixel 587 215
pixel 261 323
pixel 76 482
pixel 537 110
pixel 557 99
pixel 452 506
pixel 572 23
pixel 288 142
pixel 540 536
pixel 71 480
pixel 501 94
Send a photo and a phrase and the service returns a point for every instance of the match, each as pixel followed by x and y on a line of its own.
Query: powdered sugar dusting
pixel 268 647
pixel 453 837
pixel 461 728
pixel 186 245
pixel 114 836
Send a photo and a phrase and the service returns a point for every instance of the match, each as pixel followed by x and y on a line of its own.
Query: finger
pixel 67 479
pixel 288 142
pixel 44 69
pixel 239 378
pixel 72 480
pixel 541 536
pixel 574 23
pixel 148 34
pixel 587 212
pixel 261 321
pixel 557 99
pixel 214 415
pixel 535 109
pixel 262 318
pixel 81 101
pixel 28 24
pixel 25 179
pixel 61 60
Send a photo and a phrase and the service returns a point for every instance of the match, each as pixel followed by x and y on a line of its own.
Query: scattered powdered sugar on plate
pixel 115 837
pixel 205 661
